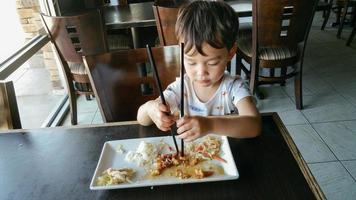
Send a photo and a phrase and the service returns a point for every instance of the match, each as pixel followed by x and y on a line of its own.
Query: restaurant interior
pixel 70 92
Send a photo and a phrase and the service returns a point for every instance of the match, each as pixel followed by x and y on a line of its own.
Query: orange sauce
pixel 189 170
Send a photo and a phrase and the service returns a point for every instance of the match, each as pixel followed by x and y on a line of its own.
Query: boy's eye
pixel 213 63
pixel 191 63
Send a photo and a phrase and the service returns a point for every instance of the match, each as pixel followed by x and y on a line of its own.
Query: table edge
pixel 318 193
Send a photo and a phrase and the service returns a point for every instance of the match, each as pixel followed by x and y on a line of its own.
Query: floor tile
pixel 28 85
pixel 273 91
pixel 33 111
pixel 310 144
pixel 85 118
pixel 327 108
pixel 97 118
pixel 292 117
pixel 275 104
pixel 312 85
pixel 334 180
pixel 349 95
pixel 351 167
pixel 340 137
pixel 85 106
pixel 342 81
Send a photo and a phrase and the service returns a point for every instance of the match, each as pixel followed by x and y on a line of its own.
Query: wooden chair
pixel 73 37
pixel 118 81
pixel 166 18
pixel 326 7
pixel 346 5
pixel 352 35
pixel 9 112
pixel 279 34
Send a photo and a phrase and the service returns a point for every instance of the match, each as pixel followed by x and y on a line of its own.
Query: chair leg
pixel 254 75
pixel 73 105
pixel 238 64
pixel 283 74
pixel 351 36
pixel 326 18
pixel 298 89
pixel 228 67
pixel 342 22
pixel 88 89
pixel 271 72
pixel 88 97
pixel 338 16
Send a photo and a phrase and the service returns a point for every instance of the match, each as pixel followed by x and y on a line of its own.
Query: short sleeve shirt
pixel 231 90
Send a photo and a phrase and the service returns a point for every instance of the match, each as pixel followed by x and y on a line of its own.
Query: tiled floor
pixel 325 130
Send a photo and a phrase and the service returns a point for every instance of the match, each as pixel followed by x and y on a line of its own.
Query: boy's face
pixel 207 71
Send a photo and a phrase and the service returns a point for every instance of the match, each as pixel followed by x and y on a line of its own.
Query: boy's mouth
pixel 203 82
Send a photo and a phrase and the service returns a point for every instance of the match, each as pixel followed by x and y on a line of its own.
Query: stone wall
pixel 28 12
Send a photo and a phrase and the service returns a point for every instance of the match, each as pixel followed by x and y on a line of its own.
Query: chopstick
pixel 182 91
pixel 158 82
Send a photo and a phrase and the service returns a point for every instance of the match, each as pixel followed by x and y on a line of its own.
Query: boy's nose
pixel 201 70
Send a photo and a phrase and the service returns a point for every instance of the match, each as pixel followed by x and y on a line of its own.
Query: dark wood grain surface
pixel 128 16
pixel 58 163
pixel 119 79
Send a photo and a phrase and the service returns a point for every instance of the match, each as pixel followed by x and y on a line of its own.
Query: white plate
pixel 110 158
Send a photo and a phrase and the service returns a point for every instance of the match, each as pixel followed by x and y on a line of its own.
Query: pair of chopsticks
pixel 158 82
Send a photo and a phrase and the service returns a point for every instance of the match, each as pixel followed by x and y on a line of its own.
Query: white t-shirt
pixel 231 90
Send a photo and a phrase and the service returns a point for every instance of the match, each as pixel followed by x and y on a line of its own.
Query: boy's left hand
pixel 191 128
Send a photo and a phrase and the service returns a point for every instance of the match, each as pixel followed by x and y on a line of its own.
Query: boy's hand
pixel 160 115
pixel 191 128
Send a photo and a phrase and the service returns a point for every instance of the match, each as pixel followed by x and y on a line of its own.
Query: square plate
pixel 111 158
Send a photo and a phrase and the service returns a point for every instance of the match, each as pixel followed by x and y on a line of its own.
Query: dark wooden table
pixel 137 15
pixel 141 14
pixel 129 16
pixel 58 163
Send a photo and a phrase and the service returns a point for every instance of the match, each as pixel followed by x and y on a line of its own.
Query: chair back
pixel 9 112
pixel 77 35
pixel 166 18
pixel 118 79
pixel 282 22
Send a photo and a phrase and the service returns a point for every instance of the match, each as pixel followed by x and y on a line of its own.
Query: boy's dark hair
pixel 213 22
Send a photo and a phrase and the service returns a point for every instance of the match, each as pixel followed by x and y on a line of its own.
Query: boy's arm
pixel 245 125
pixel 143 117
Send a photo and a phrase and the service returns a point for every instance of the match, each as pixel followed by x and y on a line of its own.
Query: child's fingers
pixel 163 126
pixel 182 121
pixel 163 108
pixel 188 136
pixel 183 128
pixel 163 116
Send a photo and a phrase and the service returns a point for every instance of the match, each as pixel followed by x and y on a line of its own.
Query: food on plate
pixel 113 176
pixel 145 153
pixel 209 149
pixel 120 149
pixel 159 159
pixel 192 164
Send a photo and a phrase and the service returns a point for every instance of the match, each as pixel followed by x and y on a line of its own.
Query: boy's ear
pixel 232 51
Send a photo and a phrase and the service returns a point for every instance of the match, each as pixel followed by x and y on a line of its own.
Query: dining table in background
pixel 134 15
pixel 58 163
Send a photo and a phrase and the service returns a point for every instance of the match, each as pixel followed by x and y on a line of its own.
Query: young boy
pixel 208 30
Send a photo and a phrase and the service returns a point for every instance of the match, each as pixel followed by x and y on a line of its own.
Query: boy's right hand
pixel 160 115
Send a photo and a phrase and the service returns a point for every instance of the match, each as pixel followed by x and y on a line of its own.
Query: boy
pixel 208 30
